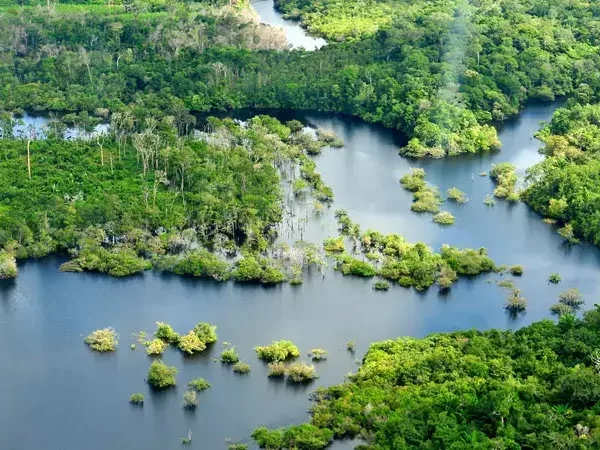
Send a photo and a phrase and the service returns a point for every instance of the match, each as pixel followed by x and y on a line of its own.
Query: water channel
pixel 58 395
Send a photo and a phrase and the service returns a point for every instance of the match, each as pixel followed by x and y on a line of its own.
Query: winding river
pixel 57 395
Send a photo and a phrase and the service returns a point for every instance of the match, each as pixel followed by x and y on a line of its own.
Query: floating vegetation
pixel 381 285
pixel 166 333
pixel 199 384
pixel 505 175
pixel 515 303
pixel 560 309
pixel 457 195
pixel 351 346
pixel 241 368
pixel 277 351
pixel 161 376
pixel 300 372
pixel 229 356
pixel 104 340
pixel 516 270
pixel 190 399
pixel 276 369
pixel 317 354
pixel 137 399
pixel 443 218
pixel 156 347
pixel 489 200
pixel 506 284
pixel 190 343
pixel 554 278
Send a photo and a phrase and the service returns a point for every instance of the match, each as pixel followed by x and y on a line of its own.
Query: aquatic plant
pixel 8 265
pixel 156 347
pixel 334 244
pixel 300 372
pixel 506 284
pixel 381 285
pixel 288 438
pixel 330 138
pixel 229 356
pixel 132 346
pixel 515 303
pixel 489 200
pixel 190 399
pixel 572 298
pixel 190 343
pixel 166 333
pixel 568 233
pixel 237 447
pixel 199 384
pixel 457 195
pixel 352 266
pixel 206 332
pixel 516 270
pixel 505 175
pixel 426 199
pixel 161 376
pixel 414 181
pixel 136 399
pixel 276 369
pixel 560 309
pixel 277 351
pixel 443 218
pixel 317 354
pixel 554 278
pixel 351 346
pixel 241 368
pixel 104 340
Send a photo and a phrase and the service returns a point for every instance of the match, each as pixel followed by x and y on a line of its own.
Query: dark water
pixel 57 395
pixel 296 35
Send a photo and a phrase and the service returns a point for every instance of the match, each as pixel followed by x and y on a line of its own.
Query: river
pixel 57 395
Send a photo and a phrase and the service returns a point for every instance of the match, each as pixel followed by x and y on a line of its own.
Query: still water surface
pixel 58 395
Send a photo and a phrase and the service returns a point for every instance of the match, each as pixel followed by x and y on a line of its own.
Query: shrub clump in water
pixel 136 399
pixel 276 369
pixel 8 265
pixel 199 384
pixel 300 372
pixel 317 354
pixel 489 200
pixel 241 368
pixel 515 303
pixel 206 332
pixel 443 218
pixel 457 195
pixel 426 199
pixel 190 399
pixel 166 333
pixel 229 356
pixel 277 351
pixel 554 278
pixel 352 266
pixel 572 298
pixel 156 347
pixel 190 343
pixel 414 181
pixel 516 270
pixel 381 285
pixel 334 245
pixel 351 346
pixel 104 340
pixel 161 376
pixel 505 175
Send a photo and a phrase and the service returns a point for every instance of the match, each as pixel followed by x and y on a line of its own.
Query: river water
pixel 57 395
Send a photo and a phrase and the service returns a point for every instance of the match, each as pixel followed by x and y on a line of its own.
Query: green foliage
pixel 489 200
pixel 190 399
pixel 277 351
pixel 300 372
pixel 161 376
pixel 190 343
pixel 554 278
pixel 352 266
pixel 426 199
pixel 457 195
pixel 444 218
pixel 104 340
pixel 276 369
pixel 229 356
pixel 351 346
pixel 199 384
pixel 505 175
pixel 381 285
pixel 206 332
pixel 251 269
pixel 241 368
pixel 334 244
pixel 237 447
pixel 467 262
pixel 317 354
pixel 516 270
pixel 453 389
pixel 301 437
pixel 414 181
pixel 166 333
pixel 572 298
pixel 156 347
pixel 515 302
pixel 137 399
pixel 8 265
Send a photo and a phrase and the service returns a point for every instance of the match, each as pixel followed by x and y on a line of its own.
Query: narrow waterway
pixel 57 395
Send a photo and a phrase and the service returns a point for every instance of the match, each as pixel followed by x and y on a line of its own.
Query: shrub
pixel 317 354
pixel 554 278
pixel 426 199
pixel 443 218
pixel 189 399
pixel 311 437
pixel 277 351
pixel 572 298
pixel 457 195
pixel 489 200
pixel 351 346
pixel 467 261
pixel 300 372
pixel 414 180
pixel 166 333
pixel 199 384
pixel 229 356
pixel 334 244
pixel 190 343
pixel 381 285
pixel 136 399
pixel 568 233
pixel 241 367
pixel 206 332
pixel 104 340
pixel 237 447
pixel 161 376
pixel 8 265
pixel 352 266
pixel 329 137
pixel 516 270
pixel 506 176
pixel 276 369
pixel 515 302
pixel 156 347
pixel 560 309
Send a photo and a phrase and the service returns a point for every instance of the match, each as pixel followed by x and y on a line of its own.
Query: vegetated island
pixel 537 387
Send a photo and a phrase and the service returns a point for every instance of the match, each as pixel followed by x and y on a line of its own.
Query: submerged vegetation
pixel 241 368
pixel 444 218
pixel 137 399
pixel 199 384
pixel 300 372
pixel 277 351
pixel 409 382
pixel 457 195
pixel 161 376
pixel 104 340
